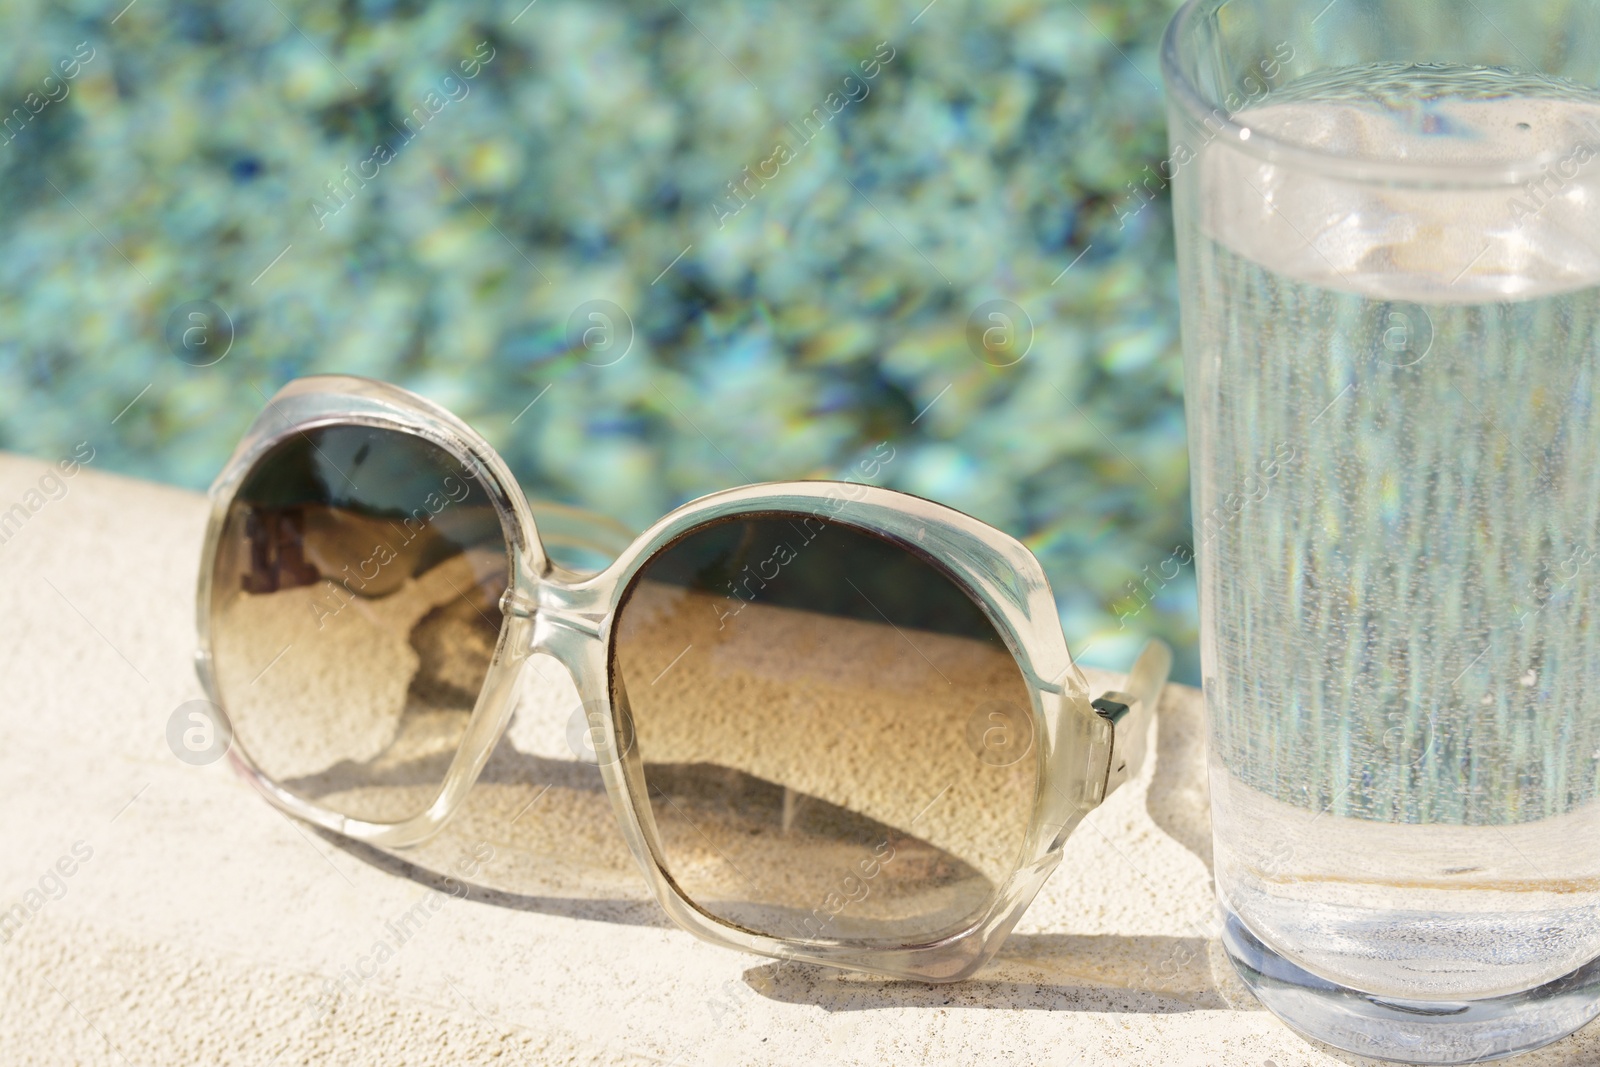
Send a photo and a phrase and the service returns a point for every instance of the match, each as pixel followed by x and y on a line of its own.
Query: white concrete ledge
pixel 173 917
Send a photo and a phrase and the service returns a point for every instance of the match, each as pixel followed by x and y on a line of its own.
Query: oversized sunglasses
pixel 836 723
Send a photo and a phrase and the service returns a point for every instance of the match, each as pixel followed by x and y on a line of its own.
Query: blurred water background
pixel 650 249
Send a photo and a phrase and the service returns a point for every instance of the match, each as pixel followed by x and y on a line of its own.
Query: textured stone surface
pixel 204 927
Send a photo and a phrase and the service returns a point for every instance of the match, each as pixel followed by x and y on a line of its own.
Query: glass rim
pixel 1182 91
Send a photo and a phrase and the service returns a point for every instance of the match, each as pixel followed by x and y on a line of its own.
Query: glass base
pixel 1411 1031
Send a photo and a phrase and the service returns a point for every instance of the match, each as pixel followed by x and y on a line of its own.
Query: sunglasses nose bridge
pixel 568 620
pixel 518 603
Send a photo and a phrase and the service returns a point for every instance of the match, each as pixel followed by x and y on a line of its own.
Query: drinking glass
pixel 1388 222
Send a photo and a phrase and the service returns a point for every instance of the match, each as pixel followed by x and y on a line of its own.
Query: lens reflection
pixel 803 696
pixel 354 615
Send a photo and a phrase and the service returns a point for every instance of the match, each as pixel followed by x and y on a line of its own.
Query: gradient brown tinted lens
pixel 836 742
pixel 354 614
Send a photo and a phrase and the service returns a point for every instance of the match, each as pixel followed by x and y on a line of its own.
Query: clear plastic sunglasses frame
pixel 1085 748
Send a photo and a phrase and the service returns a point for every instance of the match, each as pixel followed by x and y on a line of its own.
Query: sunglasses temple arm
pixel 1131 710
pixel 564 527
